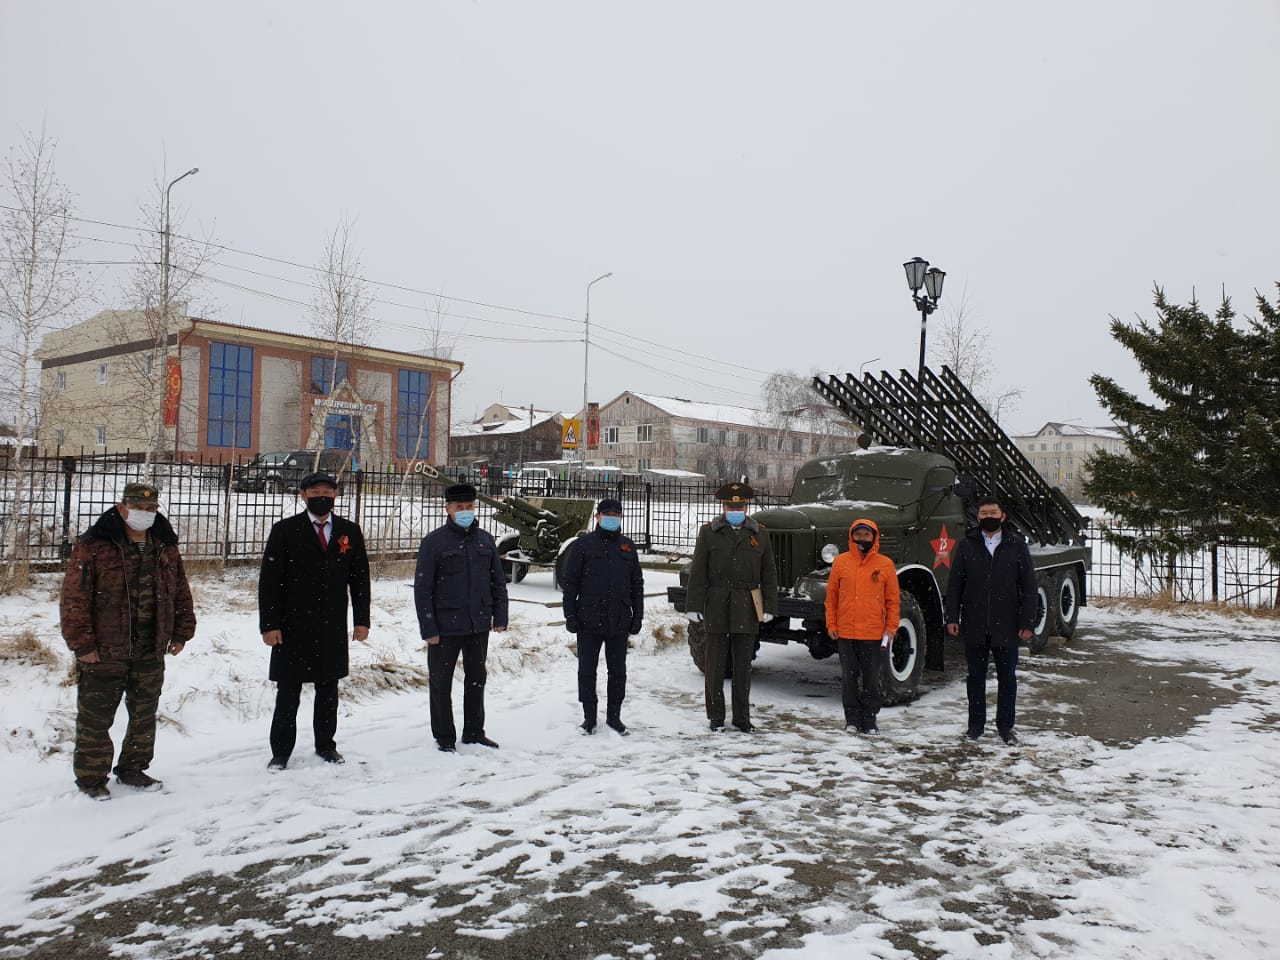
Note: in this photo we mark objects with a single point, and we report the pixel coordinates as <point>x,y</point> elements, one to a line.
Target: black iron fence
<point>50,500</point>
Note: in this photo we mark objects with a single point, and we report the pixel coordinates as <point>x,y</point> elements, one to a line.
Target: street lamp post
<point>920,274</point>
<point>163,336</point>
<point>586,355</point>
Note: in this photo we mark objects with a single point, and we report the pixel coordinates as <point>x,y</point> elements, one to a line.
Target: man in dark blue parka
<point>991,602</point>
<point>460,593</point>
<point>603,591</point>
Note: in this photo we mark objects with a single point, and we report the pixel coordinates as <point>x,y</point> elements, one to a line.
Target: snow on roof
<point>678,474</point>
<point>715,412</point>
<point>499,426</point>
<point>1074,430</point>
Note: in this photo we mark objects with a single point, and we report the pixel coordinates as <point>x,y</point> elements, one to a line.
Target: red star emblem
<point>942,549</point>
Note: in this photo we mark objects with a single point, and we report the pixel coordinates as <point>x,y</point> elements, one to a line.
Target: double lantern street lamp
<point>920,274</point>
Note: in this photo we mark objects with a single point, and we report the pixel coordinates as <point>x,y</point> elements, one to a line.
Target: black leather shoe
<point>587,726</point>
<point>482,741</point>
<point>446,747</point>
<point>973,733</point>
<point>330,756</point>
<point>870,729</point>
<point>278,763</point>
<point>617,726</point>
<point>745,727</point>
<point>1009,737</point>
<point>717,727</point>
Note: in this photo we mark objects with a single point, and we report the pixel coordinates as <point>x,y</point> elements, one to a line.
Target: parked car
<point>279,472</point>
<point>535,481</point>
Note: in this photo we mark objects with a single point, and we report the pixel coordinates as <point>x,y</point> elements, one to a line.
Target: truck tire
<point>1066,601</point>
<point>1044,622</point>
<point>903,663</point>
<point>698,649</point>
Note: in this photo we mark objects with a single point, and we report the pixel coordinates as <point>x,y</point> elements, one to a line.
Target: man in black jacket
<point>603,592</point>
<point>460,592</point>
<point>312,561</point>
<point>991,601</point>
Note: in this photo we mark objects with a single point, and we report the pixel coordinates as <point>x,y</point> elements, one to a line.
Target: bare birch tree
<point>160,303</point>
<point>40,290</point>
<point>342,311</point>
<point>964,346</point>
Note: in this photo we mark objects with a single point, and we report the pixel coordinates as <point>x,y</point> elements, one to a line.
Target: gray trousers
<point>743,646</point>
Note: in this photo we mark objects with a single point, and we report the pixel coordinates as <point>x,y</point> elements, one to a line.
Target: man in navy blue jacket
<point>460,593</point>
<point>991,602</point>
<point>603,604</point>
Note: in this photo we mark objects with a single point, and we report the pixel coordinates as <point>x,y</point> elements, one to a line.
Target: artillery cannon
<point>544,526</point>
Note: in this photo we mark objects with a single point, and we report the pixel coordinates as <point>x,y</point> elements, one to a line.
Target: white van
<point>534,480</point>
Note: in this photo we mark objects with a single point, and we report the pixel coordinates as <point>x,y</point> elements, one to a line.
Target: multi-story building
<point>506,437</point>
<point>641,432</point>
<point>233,391</point>
<point>1060,453</point>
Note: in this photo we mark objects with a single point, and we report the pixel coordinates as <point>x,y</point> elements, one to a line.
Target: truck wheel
<point>903,663</point>
<point>1066,601</point>
<point>1043,625</point>
<point>698,649</point>
<point>557,572</point>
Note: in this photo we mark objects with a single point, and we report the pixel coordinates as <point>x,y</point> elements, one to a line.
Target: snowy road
<point>1139,819</point>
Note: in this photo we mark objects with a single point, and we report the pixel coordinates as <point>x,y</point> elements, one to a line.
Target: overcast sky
<point>753,174</point>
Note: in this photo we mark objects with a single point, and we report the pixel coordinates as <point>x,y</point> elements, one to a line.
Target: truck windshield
<point>826,487</point>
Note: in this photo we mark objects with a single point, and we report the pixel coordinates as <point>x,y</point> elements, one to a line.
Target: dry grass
<point>383,676</point>
<point>27,647</point>
<point>668,635</point>
<point>1166,602</point>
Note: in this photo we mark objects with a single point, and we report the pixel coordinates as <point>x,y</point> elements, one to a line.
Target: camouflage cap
<point>140,493</point>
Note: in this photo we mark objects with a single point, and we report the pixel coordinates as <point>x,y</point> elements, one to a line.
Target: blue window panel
<point>322,374</point>
<point>413,397</point>
<point>230,396</point>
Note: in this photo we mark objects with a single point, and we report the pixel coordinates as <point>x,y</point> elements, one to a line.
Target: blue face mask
<point>735,517</point>
<point>612,524</point>
<point>464,518</point>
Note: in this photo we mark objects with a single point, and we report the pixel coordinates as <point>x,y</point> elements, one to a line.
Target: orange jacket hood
<point>875,544</point>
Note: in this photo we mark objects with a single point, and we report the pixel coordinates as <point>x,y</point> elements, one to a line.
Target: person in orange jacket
<point>862,617</point>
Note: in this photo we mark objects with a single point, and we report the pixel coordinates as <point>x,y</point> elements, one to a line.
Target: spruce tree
<point>1201,464</point>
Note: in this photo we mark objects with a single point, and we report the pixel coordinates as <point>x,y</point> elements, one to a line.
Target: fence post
<point>68,469</point>
<point>1213,569</point>
<point>359,478</point>
<point>226,513</point>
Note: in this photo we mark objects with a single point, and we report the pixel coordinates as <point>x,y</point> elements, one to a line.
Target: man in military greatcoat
<point>733,588</point>
<point>312,562</point>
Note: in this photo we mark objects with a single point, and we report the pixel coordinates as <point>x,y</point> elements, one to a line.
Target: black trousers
<point>324,718</point>
<point>978,654</point>
<point>615,659</point>
<point>860,659</point>
<point>442,658</point>
<point>718,646</point>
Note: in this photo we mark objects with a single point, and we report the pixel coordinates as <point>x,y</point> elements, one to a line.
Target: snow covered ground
<point>1140,818</point>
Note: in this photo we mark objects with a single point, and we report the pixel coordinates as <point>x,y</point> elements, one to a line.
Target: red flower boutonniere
<point>626,548</point>
<point>754,541</point>
<point>344,543</point>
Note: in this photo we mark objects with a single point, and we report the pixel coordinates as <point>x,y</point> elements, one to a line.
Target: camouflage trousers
<point>100,687</point>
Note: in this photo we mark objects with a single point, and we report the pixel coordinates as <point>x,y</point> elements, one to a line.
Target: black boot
<point>614,722</point>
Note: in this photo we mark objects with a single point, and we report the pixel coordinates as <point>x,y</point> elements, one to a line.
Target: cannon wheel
<point>513,569</point>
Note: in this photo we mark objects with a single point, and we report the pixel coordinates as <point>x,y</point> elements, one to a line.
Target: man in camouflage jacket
<point>125,604</point>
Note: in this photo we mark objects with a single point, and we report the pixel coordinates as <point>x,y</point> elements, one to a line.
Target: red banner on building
<point>593,426</point>
<point>172,391</point>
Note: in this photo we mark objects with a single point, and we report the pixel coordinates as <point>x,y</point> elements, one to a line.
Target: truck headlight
<point>829,553</point>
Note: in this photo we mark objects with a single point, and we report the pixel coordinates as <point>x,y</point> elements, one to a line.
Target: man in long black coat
<point>603,591</point>
<point>991,602</point>
<point>311,563</point>
<point>460,593</point>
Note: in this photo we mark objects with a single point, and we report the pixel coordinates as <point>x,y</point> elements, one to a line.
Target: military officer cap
<point>141,493</point>
<point>735,493</point>
<point>317,479</point>
<point>459,493</point>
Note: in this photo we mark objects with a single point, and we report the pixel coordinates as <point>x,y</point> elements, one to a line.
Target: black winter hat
<point>459,493</point>
<point>316,479</point>
<point>609,505</point>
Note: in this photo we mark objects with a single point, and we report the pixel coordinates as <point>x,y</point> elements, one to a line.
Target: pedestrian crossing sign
<point>571,432</point>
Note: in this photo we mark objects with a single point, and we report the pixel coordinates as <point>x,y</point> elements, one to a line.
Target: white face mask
<point>140,519</point>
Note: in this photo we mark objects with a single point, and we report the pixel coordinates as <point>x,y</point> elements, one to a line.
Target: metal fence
<point>61,496</point>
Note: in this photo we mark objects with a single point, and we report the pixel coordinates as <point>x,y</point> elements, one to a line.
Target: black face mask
<point>989,524</point>
<point>320,506</point>
<point>864,546</point>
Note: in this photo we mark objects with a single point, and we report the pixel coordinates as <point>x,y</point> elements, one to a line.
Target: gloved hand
<point>635,626</point>
<point>694,616</point>
<point>571,624</point>
<point>765,618</point>
<point>885,641</point>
